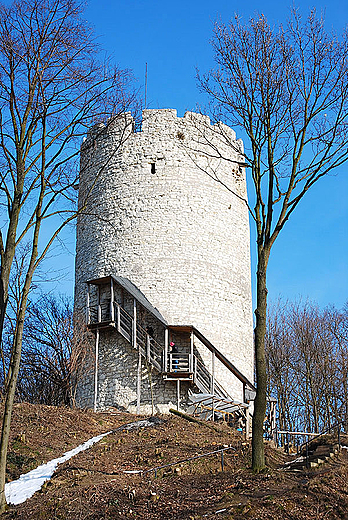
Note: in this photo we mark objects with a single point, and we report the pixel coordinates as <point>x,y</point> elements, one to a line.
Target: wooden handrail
<point>223,359</point>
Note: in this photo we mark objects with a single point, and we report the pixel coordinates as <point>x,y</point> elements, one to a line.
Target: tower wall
<point>156,216</point>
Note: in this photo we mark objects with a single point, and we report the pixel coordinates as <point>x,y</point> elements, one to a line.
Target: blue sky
<point>309,258</point>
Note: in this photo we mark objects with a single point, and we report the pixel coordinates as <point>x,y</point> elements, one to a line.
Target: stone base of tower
<point>144,365</point>
<point>117,382</point>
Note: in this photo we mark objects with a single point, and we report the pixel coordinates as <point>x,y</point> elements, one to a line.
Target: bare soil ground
<point>93,484</point>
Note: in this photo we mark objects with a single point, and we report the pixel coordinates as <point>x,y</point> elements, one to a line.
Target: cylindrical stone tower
<point>167,210</point>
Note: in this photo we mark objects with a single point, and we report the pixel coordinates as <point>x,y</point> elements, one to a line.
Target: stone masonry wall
<point>156,216</point>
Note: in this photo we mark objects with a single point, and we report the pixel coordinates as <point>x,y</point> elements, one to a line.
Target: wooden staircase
<point>322,448</point>
<point>176,367</point>
<point>317,456</point>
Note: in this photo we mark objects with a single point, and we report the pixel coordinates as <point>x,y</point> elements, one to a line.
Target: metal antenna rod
<point>145,83</point>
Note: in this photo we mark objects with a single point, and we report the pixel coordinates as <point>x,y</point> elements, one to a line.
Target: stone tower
<point>159,215</point>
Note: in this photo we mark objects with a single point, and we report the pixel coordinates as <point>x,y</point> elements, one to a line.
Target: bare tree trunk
<point>3,306</point>
<point>258,453</point>
<point>7,254</point>
<point>17,351</point>
<point>11,389</point>
<point>3,303</point>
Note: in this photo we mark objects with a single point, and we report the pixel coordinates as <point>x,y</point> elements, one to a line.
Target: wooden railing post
<point>166,345</point>
<point>247,424</point>
<point>99,306</point>
<point>96,370</point>
<point>112,300</point>
<point>148,347</point>
<point>272,413</point>
<point>212,372</point>
<point>139,382</point>
<point>191,353</point>
<point>88,310</point>
<point>134,334</point>
<point>134,323</point>
<point>118,318</point>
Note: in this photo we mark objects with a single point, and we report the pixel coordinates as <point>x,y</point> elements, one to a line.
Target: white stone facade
<point>156,216</point>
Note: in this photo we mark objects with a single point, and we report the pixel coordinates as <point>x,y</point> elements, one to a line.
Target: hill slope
<point>93,484</point>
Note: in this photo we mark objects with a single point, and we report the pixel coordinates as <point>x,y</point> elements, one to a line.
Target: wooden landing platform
<point>178,376</point>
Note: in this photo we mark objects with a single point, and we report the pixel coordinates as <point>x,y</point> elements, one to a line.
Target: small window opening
<point>153,168</point>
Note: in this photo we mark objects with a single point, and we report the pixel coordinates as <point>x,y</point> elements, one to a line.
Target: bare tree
<point>56,349</point>
<point>339,330</point>
<point>52,87</point>
<point>16,281</point>
<point>287,88</point>
<point>280,365</point>
<point>306,352</point>
<point>57,353</point>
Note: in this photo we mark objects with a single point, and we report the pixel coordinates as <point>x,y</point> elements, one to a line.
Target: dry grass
<point>93,485</point>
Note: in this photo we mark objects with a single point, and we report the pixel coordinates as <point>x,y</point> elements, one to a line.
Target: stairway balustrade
<point>179,365</point>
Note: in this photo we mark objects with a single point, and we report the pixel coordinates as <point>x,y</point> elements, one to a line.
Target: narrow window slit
<point>153,168</point>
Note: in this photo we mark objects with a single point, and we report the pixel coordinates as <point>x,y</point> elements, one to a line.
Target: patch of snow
<point>299,459</point>
<point>145,423</point>
<point>19,490</point>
